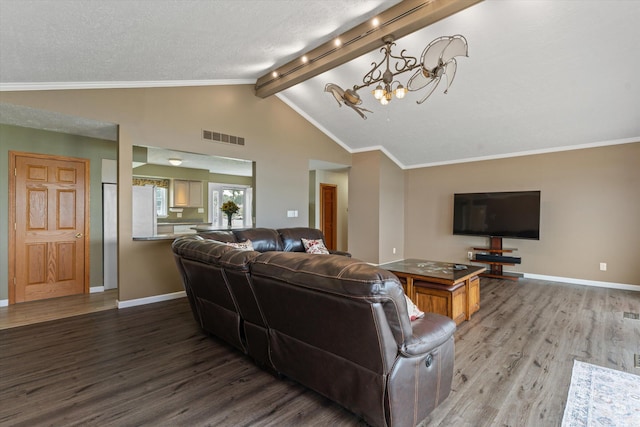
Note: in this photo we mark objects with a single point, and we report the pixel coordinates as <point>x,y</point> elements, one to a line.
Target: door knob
<point>78,235</point>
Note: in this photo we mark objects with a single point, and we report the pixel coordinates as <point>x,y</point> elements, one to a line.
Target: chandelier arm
<point>372,76</point>
<point>380,78</point>
<point>407,62</point>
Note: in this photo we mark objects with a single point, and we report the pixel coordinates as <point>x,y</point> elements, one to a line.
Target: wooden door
<point>49,251</point>
<point>329,214</point>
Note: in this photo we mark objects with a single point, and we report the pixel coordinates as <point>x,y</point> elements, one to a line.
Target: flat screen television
<point>511,214</point>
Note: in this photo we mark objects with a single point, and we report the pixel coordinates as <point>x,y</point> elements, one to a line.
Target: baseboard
<point>151,300</point>
<point>611,285</point>
<point>129,303</point>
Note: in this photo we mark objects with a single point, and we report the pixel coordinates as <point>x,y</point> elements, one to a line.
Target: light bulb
<point>384,101</point>
<point>378,93</point>
<point>175,162</point>
<point>400,92</point>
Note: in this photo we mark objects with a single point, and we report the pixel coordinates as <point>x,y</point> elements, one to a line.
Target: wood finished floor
<point>31,312</point>
<point>151,365</point>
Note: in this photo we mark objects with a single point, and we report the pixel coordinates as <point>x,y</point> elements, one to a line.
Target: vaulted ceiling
<point>541,76</point>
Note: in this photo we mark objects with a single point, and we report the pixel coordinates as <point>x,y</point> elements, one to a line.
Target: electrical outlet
<point>470,255</point>
<point>603,266</point>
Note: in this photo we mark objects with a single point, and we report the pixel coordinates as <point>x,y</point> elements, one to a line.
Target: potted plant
<point>229,208</point>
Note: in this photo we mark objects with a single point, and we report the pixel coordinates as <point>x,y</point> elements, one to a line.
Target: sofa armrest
<point>429,332</point>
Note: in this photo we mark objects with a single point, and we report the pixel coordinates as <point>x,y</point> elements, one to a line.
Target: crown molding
<point>632,140</point>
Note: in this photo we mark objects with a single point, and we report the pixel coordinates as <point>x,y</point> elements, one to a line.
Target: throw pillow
<point>245,246</point>
<point>413,310</point>
<point>314,246</point>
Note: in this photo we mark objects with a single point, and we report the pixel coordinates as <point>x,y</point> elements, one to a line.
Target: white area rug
<point>602,397</point>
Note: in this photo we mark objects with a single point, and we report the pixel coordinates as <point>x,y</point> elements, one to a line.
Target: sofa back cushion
<point>262,239</point>
<point>335,325</point>
<point>219,235</point>
<point>202,268</point>
<point>236,266</point>
<point>292,237</point>
<point>341,305</point>
<point>199,248</point>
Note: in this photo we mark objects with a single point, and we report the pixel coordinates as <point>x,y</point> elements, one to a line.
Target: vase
<point>229,220</point>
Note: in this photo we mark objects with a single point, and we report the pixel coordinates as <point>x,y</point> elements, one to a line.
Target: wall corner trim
<point>150,300</point>
<point>4,303</point>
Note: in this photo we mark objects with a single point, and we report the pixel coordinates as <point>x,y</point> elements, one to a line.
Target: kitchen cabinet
<point>187,194</point>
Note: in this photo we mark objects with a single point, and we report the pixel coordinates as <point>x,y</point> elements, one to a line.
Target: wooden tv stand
<point>495,267</point>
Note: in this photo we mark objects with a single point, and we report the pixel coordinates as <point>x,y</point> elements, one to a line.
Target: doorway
<point>49,241</point>
<point>241,195</point>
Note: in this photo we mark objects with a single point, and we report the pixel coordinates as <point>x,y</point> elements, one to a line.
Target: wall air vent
<point>222,137</point>
<point>629,315</point>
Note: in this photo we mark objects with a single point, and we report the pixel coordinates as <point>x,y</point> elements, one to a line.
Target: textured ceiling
<point>542,75</point>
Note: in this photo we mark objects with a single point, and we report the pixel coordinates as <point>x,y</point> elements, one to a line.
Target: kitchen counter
<point>205,228</point>
<point>167,236</point>
<point>165,222</point>
<point>173,236</point>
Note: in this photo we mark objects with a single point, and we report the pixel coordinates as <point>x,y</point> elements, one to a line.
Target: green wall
<point>14,138</point>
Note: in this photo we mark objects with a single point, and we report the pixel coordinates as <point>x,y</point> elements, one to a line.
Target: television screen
<point>512,214</point>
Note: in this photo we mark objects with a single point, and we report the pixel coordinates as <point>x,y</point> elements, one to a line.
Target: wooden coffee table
<point>440,287</point>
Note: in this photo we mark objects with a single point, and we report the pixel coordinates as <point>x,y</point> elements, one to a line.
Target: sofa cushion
<point>292,237</point>
<point>338,275</point>
<point>314,246</point>
<point>262,239</point>
<point>200,249</point>
<point>219,235</point>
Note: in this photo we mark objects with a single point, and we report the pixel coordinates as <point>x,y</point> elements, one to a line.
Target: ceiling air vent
<point>629,315</point>
<point>222,137</point>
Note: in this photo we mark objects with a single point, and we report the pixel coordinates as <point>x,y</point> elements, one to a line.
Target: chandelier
<point>437,61</point>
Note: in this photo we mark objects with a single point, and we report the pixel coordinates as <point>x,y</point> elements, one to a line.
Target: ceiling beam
<point>404,18</point>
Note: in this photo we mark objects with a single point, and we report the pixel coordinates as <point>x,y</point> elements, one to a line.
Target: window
<point>162,195</point>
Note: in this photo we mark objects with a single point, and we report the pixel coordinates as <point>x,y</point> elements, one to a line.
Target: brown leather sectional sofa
<point>335,324</point>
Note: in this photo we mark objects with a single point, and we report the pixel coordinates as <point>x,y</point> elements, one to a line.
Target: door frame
<point>12,215</point>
